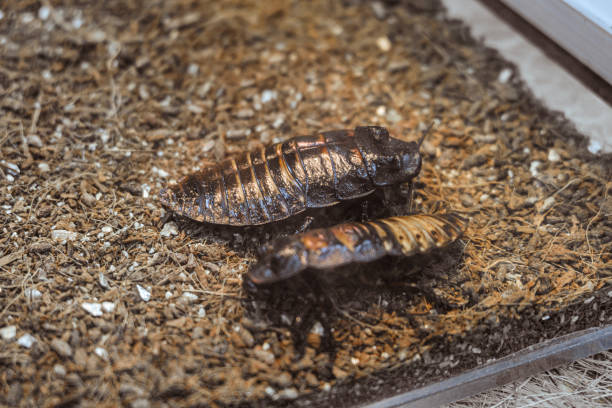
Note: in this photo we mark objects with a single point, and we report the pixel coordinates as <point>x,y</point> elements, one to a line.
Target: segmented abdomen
<point>365,242</point>
<point>273,183</point>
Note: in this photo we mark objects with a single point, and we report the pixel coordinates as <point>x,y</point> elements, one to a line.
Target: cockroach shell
<point>273,183</point>
<point>421,233</point>
<point>325,249</point>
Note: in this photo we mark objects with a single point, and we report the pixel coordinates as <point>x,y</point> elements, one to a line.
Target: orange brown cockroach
<point>276,182</point>
<point>327,248</point>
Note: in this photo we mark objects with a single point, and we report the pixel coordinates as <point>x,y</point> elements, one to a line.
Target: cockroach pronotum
<point>275,182</point>
<point>327,248</point>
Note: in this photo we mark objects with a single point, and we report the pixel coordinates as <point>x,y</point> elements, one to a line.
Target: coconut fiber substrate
<point>107,298</point>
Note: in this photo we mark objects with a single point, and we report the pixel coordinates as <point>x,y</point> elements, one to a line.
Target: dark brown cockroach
<point>275,182</point>
<point>327,248</point>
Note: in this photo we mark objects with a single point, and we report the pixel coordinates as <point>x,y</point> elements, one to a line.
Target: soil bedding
<point>106,298</point>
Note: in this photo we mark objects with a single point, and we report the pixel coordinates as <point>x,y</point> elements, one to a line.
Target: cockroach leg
<point>410,197</point>
<point>305,225</point>
<point>364,210</point>
<point>325,304</point>
<point>438,206</point>
<point>393,201</point>
<point>388,195</point>
<point>169,215</point>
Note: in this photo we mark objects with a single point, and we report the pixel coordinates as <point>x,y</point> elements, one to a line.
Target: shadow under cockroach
<point>362,292</point>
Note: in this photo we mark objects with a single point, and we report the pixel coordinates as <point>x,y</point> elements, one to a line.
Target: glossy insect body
<point>342,244</point>
<point>284,179</point>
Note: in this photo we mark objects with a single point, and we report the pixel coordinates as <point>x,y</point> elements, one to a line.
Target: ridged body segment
<point>364,242</point>
<point>275,182</point>
<point>346,243</point>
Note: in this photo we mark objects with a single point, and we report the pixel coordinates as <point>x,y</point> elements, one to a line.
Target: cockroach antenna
<point>425,133</point>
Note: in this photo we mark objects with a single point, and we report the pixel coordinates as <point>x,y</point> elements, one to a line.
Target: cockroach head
<point>407,159</point>
<point>405,162</point>
<point>281,260</point>
<point>388,160</point>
